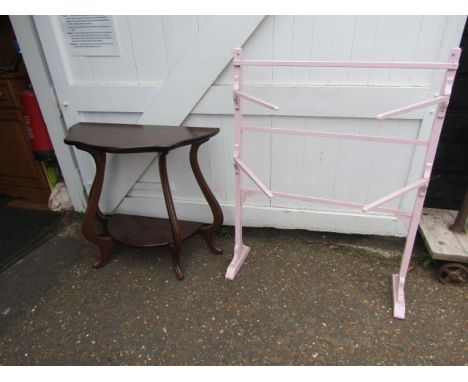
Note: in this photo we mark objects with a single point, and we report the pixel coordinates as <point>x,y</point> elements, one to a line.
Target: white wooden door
<point>175,70</point>
<point>166,64</point>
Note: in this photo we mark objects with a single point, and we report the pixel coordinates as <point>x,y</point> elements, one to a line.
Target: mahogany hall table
<point>98,139</point>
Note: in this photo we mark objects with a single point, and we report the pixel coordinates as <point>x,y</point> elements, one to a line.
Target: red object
<point>40,140</point>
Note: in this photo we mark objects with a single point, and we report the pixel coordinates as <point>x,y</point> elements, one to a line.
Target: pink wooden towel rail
<point>410,218</point>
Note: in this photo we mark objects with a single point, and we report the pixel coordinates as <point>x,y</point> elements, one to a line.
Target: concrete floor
<point>301,298</point>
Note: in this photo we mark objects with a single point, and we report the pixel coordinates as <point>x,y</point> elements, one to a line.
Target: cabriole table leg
<point>175,247</point>
<point>207,232</point>
<point>92,213</point>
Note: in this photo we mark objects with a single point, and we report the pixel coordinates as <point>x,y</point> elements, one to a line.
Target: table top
<point>120,138</point>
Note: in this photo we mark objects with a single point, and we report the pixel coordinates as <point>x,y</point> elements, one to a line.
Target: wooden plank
<point>290,172</point>
<point>119,99</point>
<point>383,48</point>
<point>315,101</point>
<point>294,100</point>
<point>148,46</point>
<point>198,68</point>
<point>430,35</point>
<point>405,46</point>
<point>202,19</point>
<point>282,47</point>
<point>442,243</point>
<point>179,33</point>
<point>341,48</point>
<point>124,70</point>
<point>301,46</point>
<point>362,48</point>
<point>212,159</point>
<point>389,169</point>
<point>105,117</point>
<point>256,154</point>
<point>266,216</point>
<point>343,173</point>
<point>452,35</point>
<point>255,46</point>
<point>403,159</point>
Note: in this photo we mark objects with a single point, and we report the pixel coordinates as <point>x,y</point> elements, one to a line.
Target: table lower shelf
<point>142,231</point>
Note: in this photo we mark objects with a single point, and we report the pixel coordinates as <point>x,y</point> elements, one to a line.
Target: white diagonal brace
<point>207,56</point>
<point>195,72</point>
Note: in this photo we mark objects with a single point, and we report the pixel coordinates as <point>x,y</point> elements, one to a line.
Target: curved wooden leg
<point>207,232</point>
<point>88,227</point>
<point>175,247</point>
<point>174,250</point>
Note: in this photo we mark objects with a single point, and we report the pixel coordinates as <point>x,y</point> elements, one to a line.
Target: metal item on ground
<point>445,244</point>
<point>459,225</point>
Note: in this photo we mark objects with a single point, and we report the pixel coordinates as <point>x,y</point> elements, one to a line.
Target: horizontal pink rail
<point>254,178</point>
<point>414,106</point>
<point>334,202</point>
<point>256,100</point>
<point>350,64</point>
<point>395,194</point>
<point>326,134</point>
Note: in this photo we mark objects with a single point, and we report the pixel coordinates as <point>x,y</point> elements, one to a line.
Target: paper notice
<point>90,35</point>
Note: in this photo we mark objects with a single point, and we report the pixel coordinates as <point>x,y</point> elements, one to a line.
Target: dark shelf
<point>141,231</point>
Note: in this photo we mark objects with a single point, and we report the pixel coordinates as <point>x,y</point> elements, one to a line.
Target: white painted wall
<point>175,69</point>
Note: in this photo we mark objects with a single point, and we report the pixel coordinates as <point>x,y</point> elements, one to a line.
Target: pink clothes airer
<point>410,218</point>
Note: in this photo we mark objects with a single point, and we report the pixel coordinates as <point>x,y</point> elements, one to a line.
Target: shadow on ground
<point>301,298</point>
